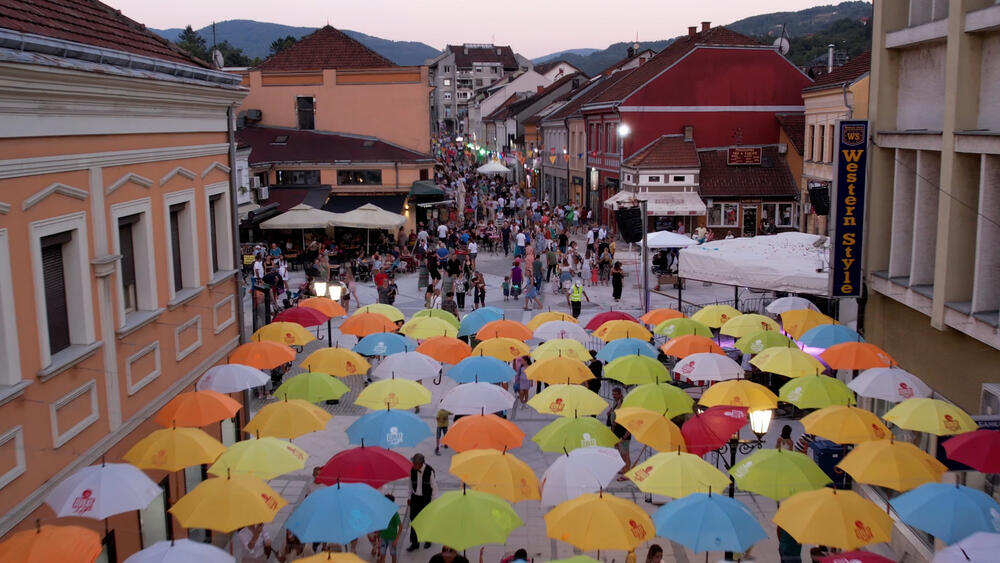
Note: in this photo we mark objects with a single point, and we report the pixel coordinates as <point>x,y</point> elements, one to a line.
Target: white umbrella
<point>493,167</point>
<point>408,365</point>
<point>100,491</point>
<point>180,551</point>
<point>583,470</point>
<point>667,239</point>
<point>706,366</point>
<point>560,329</point>
<point>231,378</point>
<point>369,216</point>
<point>889,384</point>
<point>980,547</point>
<point>790,303</point>
<point>477,398</point>
<point>301,216</point>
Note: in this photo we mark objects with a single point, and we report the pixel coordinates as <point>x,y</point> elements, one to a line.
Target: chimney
<point>689,133</point>
<point>829,57</point>
<point>705,26</point>
<point>498,50</point>
<point>692,30</point>
<point>466,49</point>
<point>630,52</point>
<point>539,89</point>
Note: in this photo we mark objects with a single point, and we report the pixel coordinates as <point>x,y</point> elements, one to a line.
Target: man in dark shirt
<point>597,368</point>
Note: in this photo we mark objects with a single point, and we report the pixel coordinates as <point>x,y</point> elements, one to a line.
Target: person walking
<point>479,297</point>
<point>789,550</point>
<point>617,275</point>
<point>574,297</point>
<point>624,437</point>
<point>784,441</point>
<point>422,487</point>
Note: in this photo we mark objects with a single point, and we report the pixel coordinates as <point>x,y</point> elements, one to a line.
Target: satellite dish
<point>217,58</point>
<point>782,44</point>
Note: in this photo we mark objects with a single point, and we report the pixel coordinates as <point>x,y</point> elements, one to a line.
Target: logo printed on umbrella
<point>950,423</point>
<point>742,469</point>
<point>757,346</point>
<point>904,390</point>
<point>557,406</point>
<point>877,431</point>
<point>159,458</point>
<point>795,394</point>
<point>642,474</point>
<point>299,454</point>
<point>380,349</point>
<point>688,368</point>
<point>586,440</point>
<point>638,531</point>
<point>270,501</point>
<point>391,400</point>
<point>289,338</point>
<point>669,330</point>
<point>765,325</point>
<point>84,503</point>
<point>638,423</point>
<point>863,532</point>
<point>512,350</point>
<point>525,489</point>
<point>394,437</point>
<point>349,367</point>
<point>735,414</point>
<point>736,401</point>
<point>723,317</point>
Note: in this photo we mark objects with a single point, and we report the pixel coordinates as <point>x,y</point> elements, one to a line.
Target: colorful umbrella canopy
<point>948,512</point>
<point>797,321</point>
<point>657,316</point>
<point>387,311</point>
<point>841,519</point>
<point>481,369</point>
<point>331,557</point>
<point>659,397</point>
<point>567,434</point>
<point>707,522</point>
<point>598,521</point>
<point>289,334</point>
<point>789,362</point>
<point>613,330</point>
<point>626,347</point>
<point>226,504</point>
<point>576,559</point>
<point>583,470</point>
<point>681,326</point>
<point>547,317</point>
<point>462,519</point>
<point>437,314</point>
<point>606,316</point>
<point>856,557</point>
<point>372,465</point>
<point>559,370</point>
<point>677,474</point>
<point>739,393</point>
<point>101,491</point>
<point>561,347</point>
<point>856,355</point>
<point>708,430</point>
<point>363,324</point>
<point>560,329</point>
<point>759,341</point>
<point>312,387</point>
<point>748,324</point>
<point>503,328</point>
<point>636,370</point>
<point>477,398</point>
<point>568,400</point>
<point>339,362</point>
<point>265,458</point>
<point>173,449</point>
<point>407,365</point>
<point>305,316</point>
<point>289,418</point>
<point>778,474</point>
<point>179,551</point>
<point>825,336</point>
<point>445,349</point>
<point>980,547</point>
<point>845,425</point>
<point>384,344</point>
<point>706,366</point>
<point>324,305</point>
<point>422,328</point>
<point>790,303</point>
<point>979,450</point>
<point>341,513</point>
<point>889,384</point>
<point>231,378</point>
<point>47,543</point>
<point>498,473</point>
<point>503,349</point>
<point>262,355</point>
<point>684,346</point>
<point>480,431</point>
<point>900,466</point>
<point>651,428</point>
<point>816,392</point>
<point>933,416</point>
<point>388,429</point>
<point>476,319</point>
<point>393,394</point>
<point>197,408</point>
<point>715,316</point>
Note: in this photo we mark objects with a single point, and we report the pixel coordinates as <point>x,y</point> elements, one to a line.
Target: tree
<point>282,43</point>
<point>190,41</point>
<point>232,56</point>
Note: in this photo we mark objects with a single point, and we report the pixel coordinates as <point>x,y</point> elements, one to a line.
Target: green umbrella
<point>567,434</point>
<point>778,474</point>
<point>576,559</point>
<point>757,343</point>
<point>672,328</point>
<point>437,314</point>
<point>313,387</point>
<point>816,392</point>
<point>466,518</point>
<point>659,397</point>
<point>636,370</point>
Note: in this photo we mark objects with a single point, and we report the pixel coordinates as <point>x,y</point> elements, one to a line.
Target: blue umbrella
<point>484,369</point>
<point>389,429</point>
<point>384,344</point>
<point>948,512</point>
<point>707,522</point>
<point>341,513</point>
<point>625,347</point>
<point>475,320</point>
<point>824,336</point>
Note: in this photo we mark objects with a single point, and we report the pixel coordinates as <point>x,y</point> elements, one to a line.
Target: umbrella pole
<point>329,334</point>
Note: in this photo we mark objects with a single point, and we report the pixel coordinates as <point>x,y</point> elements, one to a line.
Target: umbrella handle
<point>437,380</point>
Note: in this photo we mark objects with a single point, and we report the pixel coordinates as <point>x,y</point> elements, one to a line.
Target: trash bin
<point>827,455</point>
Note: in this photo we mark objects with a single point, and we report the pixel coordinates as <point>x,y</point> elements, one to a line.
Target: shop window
<point>779,214</point>
<point>297,177</point>
<point>724,215</point>
<point>305,107</point>
<point>359,177</point>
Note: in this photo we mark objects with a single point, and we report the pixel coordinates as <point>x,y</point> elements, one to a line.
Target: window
<point>220,227</point>
<point>446,82</point>
<point>609,135</point>
<point>424,174</point>
<point>447,96</point>
<point>447,68</point>
<point>10,363</point>
<point>137,269</point>
<point>126,248</point>
<point>53,273</point>
<point>479,69</point>
<point>820,149</point>
<point>653,179</point>
<point>779,214</point>
<point>592,139</point>
<point>479,82</point>
<point>193,476</point>
<point>829,144</point>
<point>177,250</point>
<point>496,70</point>
<point>297,177</point>
<point>154,521</point>
<point>305,106</point>
<point>723,215</point>
<point>679,178</point>
<point>183,252</point>
<point>811,142</point>
<point>359,177</point>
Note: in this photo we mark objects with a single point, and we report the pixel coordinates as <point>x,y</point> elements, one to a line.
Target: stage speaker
<point>630,223</point>
<point>819,197</point>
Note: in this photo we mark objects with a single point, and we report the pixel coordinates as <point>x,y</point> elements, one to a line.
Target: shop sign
<point>849,208</point>
<point>739,156</point>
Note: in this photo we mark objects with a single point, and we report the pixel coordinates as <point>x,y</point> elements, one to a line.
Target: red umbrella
<point>979,450</point>
<point>304,316</point>
<point>606,316</point>
<point>371,465</point>
<point>855,557</point>
<point>709,430</point>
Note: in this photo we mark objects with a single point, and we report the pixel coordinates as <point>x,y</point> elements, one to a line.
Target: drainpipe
<point>234,218</point>
<point>850,108</point>
<point>829,58</point>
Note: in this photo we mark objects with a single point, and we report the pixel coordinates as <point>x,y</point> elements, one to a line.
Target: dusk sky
<point>533,28</point>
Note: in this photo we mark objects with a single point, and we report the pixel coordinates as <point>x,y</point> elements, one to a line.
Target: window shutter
<point>213,204</point>
<point>175,244</point>
<point>57,313</point>
<point>127,249</point>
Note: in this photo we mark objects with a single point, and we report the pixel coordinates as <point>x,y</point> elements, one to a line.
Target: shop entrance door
<point>749,220</point>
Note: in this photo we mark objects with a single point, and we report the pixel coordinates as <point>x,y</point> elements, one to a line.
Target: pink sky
<point>532,27</point>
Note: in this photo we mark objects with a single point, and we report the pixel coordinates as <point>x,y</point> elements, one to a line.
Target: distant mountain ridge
<point>561,54</point>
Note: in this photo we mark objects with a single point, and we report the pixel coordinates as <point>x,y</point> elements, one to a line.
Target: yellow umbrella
<point>677,474</point>
<point>933,416</point>
<point>598,521</point>
<point>568,400</point>
<point>798,321</point>
<point>651,428</point>
<point>339,362</point>
<point>503,349</point>
<point>392,313</point>
<point>173,449</point>
<point>498,473</point>
<point>561,347</point>
<point>739,393</point>
<point>228,503</point>
<point>446,316</point>
<point>290,418</point>
<point>841,519</point>
<point>289,334</point>
<point>542,318</point>
<point>900,466</point>
<point>789,362</point>
<point>614,330</point>
<point>845,425</point>
<point>265,458</point>
<point>331,557</point>
<point>393,394</point>
<point>715,316</point>
<point>747,324</point>
<point>559,370</point>
<point>422,328</point>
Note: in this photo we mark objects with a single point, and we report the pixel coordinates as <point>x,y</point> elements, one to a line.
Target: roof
<point>542,68</point>
<point>326,48</point>
<point>501,112</point>
<point>772,178</point>
<point>467,55</point>
<point>610,68</point>
<point>319,146</point>
<point>669,151</point>
<point>794,125</point>
<point>91,23</point>
<point>847,73</point>
<point>587,94</point>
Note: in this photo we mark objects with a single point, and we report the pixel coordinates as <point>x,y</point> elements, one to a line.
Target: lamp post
<point>760,421</point>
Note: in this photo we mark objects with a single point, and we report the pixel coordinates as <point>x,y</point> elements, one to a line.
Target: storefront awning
<point>659,203</point>
<point>244,210</point>
<point>425,188</point>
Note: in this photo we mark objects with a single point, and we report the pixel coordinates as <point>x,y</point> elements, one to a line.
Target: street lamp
<point>624,130</point>
<point>760,421</point>
<point>319,288</point>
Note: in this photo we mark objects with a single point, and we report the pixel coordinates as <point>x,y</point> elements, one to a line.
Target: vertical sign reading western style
<point>849,208</point>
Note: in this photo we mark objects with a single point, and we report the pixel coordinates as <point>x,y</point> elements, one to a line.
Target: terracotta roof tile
<point>591,91</point>
<point>771,179</point>
<point>466,57</point>
<point>847,73</point>
<point>794,125</point>
<point>542,68</point>
<point>669,151</point>
<point>91,23</point>
<point>320,147</point>
<point>326,48</point>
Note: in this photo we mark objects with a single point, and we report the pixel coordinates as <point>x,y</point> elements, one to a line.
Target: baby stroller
<point>362,271</point>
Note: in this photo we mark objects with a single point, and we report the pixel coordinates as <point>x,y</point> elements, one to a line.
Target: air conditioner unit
<point>782,148</point>
<point>262,193</point>
<point>254,182</point>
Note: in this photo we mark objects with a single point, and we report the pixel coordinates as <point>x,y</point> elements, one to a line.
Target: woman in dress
<point>617,275</point>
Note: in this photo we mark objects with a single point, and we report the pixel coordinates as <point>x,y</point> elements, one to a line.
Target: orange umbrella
<point>657,316</point>
<point>197,408</point>
<point>262,355</point>
<point>797,321</point>
<point>324,305</point>
<point>52,543</point>
<point>684,346</point>
<point>856,355</point>
<point>483,431</point>
<point>363,324</point>
<point>445,349</point>
<point>504,329</point>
